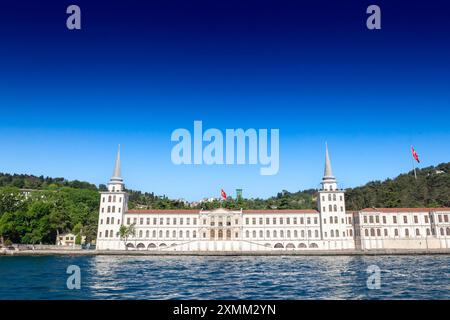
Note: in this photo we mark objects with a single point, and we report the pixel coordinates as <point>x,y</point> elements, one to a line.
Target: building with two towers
<point>330,227</point>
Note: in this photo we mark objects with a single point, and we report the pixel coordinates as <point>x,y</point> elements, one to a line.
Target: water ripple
<point>240,277</point>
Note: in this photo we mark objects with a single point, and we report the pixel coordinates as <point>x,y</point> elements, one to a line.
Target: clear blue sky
<point>135,72</point>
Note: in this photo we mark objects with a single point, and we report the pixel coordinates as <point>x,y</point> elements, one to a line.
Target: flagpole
<point>414,165</point>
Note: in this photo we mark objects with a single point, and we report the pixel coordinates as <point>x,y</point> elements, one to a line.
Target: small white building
<point>67,239</point>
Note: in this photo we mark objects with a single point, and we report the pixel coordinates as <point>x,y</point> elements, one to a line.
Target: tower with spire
<point>335,222</point>
<point>113,205</point>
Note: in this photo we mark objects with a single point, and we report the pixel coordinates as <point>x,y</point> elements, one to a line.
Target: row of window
<point>334,197</point>
<point>111,209</point>
<point>111,198</point>
<point>377,232</point>
<point>168,221</point>
<point>426,219</point>
<point>154,234</point>
<point>280,233</point>
<point>282,220</point>
<point>110,220</point>
<point>332,208</point>
<point>335,220</point>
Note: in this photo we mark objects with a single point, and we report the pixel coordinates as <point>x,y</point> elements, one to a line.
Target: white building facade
<point>330,227</point>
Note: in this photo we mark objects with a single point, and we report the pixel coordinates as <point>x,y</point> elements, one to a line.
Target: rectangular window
<point>181,221</point>
<point>247,221</point>
<point>446,218</point>
<point>302,221</point>
<point>394,219</point>
<point>315,220</point>
<point>416,219</point>
<point>370,219</point>
<point>154,221</point>
<point>161,221</point>
<point>254,221</point>
<point>267,221</point>
<point>195,221</point>
<point>377,219</point>
<point>384,219</point>
<point>128,221</point>
<point>405,219</point>
<point>174,221</point>
<point>440,218</point>
<point>167,221</point>
<point>274,221</point>
<point>261,221</point>
<point>295,220</point>
<point>188,221</point>
<point>288,221</point>
<point>365,219</point>
<point>426,219</point>
<point>308,220</point>
<point>134,220</point>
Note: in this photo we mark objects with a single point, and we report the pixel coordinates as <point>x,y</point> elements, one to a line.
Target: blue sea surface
<point>225,277</point>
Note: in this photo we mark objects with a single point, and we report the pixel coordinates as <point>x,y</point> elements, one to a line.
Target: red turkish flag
<point>414,154</point>
<point>223,194</point>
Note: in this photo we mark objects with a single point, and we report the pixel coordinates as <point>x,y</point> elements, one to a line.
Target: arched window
<point>316,233</point>
<point>366,232</point>
<point>167,234</point>
<point>335,219</point>
<point>428,232</point>
<point>309,233</point>
<point>330,207</point>
<point>331,219</point>
<point>111,234</point>
<point>447,231</point>
<point>334,197</point>
<point>278,246</point>
<point>329,197</point>
<point>295,234</point>
<point>281,233</point>
<point>332,233</point>
<point>114,198</point>
<point>109,209</point>
<point>229,234</point>
<point>396,232</point>
<point>335,208</point>
<point>174,234</point>
<point>160,233</point>
<point>106,234</point>
<point>372,232</point>
<point>109,198</point>
<point>274,233</point>
<point>261,234</point>
<point>140,233</point>
<point>187,234</point>
<point>406,232</point>
<point>378,232</point>
<point>268,234</point>
<point>113,209</point>
<point>247,234</point>
<point>254,233</point>
<point>288,233</point>
<point>147,233</point>
<point>194,234</point>
<point>337,233</point>
<point>303,234</point>
<point>442,231</point>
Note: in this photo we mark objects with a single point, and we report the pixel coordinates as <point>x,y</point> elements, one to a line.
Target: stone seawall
<point>224,253</point>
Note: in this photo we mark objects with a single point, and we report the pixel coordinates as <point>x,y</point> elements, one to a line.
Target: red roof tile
<point>394,210</point>
<point>196,211</point>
